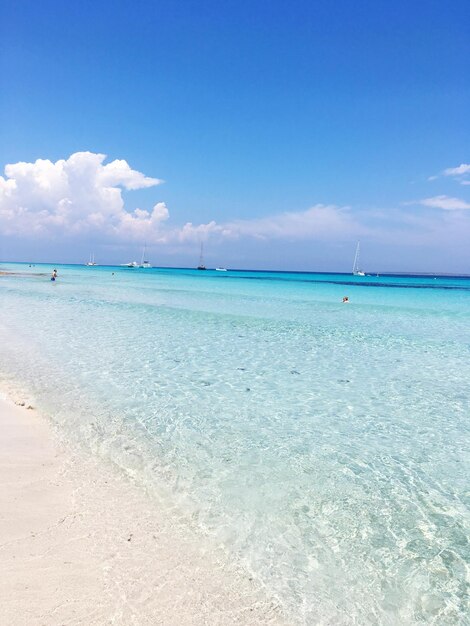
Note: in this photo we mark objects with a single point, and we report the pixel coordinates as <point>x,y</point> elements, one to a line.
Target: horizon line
<point>372,273</point>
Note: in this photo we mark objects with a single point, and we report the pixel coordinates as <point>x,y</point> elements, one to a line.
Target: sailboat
<point>356,268</point>
<point>201,265</point>
<point>143,263</point>
<point>91,262</point>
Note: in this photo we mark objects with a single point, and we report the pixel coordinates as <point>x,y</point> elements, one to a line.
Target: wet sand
<point>81,544</point>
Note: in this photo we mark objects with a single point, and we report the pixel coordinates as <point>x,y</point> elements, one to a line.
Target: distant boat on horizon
<point>220,269</point>
<point>201,265</point>
<point>131,265</point>
<point>143,263</point>
<point>91,262</point>
<point>356,267</point>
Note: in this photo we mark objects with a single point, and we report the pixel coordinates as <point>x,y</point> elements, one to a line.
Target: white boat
<point>91,262</point>
<point>130,265</point>
<point>220,269</point>
<point>143,263</point>
<point>201,265</point>
<point>356,267</point>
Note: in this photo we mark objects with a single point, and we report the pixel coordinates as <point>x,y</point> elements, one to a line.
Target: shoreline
<point>80,543</point>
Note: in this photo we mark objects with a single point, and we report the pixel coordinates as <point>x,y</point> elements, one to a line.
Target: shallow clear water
<point>326,445</point>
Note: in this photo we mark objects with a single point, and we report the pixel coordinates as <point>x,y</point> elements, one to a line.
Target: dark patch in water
<point>353,283</point>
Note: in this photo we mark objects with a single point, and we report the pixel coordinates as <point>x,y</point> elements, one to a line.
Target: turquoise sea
<point>326,445</point>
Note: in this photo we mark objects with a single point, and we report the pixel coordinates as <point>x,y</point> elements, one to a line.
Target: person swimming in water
<point>346,300</point>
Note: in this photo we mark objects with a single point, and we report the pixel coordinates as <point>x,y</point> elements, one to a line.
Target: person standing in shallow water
<point>54,274</point>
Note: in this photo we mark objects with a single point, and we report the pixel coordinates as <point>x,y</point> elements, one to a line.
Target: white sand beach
<point>81,544</point>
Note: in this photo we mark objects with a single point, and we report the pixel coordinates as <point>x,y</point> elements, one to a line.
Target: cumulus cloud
<point>445,202</point>
<point>74,196</point>
<point>82,195</point>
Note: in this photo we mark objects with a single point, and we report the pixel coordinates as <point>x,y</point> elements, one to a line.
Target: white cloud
<point>82,197</point>
<point>463,168</point>
<point>444,202</point>
<point>191,232</point>
<point>318,222</point>
<point>459,173</point>
<point>118,172</point>
<point>78,195</point>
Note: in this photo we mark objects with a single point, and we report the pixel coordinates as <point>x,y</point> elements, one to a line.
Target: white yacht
<point>144,264</point>
<point>356,267</point>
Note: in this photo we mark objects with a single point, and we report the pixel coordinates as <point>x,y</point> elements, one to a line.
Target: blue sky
<point>284,132</point>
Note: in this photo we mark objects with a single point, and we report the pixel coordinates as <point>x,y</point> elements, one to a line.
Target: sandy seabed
<point>82,544</point>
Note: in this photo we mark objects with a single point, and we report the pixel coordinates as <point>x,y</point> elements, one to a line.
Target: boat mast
<point>201,256</point>
<point>356,259</point>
